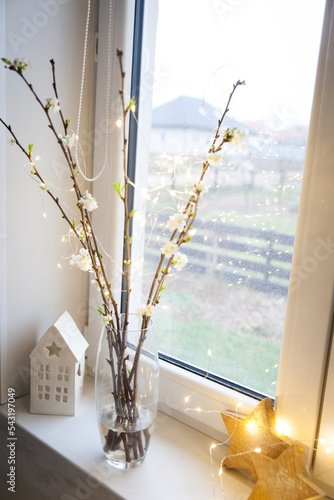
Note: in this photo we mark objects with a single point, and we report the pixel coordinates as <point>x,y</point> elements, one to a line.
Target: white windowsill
<point>61,458</point>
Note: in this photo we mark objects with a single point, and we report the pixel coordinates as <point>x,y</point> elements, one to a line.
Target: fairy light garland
<point>107,111</point>
<point>253,428</point>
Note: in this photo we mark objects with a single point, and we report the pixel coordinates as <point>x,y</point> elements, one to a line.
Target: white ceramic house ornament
<point>57,367</point>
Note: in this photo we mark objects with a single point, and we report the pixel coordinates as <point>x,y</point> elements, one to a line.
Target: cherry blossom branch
<point>93,249</point>
<point>38,175</point>
<point>190,210</point>
<point>54,85</point>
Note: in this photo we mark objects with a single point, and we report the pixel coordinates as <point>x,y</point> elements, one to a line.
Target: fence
<point>252,257</point>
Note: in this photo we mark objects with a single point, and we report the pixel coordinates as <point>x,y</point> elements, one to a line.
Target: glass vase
<point>126,389</point>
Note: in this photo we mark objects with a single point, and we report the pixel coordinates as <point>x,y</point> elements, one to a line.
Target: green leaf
<point>30,146</point>
<point>130,240</point>
<point>117,186</point>
<point>100,310</point>
<point>131,104</point>
<point>74,223</point>
<point>131,213</point>
<point>3,59</point>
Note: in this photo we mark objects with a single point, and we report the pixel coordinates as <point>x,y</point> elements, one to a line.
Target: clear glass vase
<point>126,389</point>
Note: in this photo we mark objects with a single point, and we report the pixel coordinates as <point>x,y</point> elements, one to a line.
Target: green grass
<point>249,359</point>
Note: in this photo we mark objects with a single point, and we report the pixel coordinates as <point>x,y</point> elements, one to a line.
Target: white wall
<point>34,292</point>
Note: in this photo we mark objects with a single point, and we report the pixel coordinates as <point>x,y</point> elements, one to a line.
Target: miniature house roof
<point>68,330</point>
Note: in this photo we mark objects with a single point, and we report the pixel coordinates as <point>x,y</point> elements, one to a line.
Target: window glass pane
<point>224,312</point>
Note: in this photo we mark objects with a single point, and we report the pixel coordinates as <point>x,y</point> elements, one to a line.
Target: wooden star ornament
<point>258,431</point>
<point>282,478</point>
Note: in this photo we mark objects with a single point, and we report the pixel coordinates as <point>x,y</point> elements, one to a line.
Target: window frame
<point>295,375</point>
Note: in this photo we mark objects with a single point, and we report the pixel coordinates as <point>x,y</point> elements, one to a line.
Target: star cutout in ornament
<point>258,431</point>
<point>282,478</point>
<point>53,350</point>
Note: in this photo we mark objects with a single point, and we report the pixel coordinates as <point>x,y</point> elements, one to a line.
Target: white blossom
<point>52,102</point>
<point>22,64</point>
<point>176,221</point>
<point>201,187</point>
<point>215,159</point>
<point>88,202</point>
<point>82,260</point>
<point>145,310</point>
<point>180,260</point>
<point>97,284</point>
<point>106,319</point>
<point>68,140</point>
<point>81,232</point>
<point>169,249</point>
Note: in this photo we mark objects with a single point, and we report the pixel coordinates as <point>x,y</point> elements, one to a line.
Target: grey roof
<point>190,113</point>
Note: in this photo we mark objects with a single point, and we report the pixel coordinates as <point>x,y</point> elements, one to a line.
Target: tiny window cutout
<point>59,376</point>
<point>47,368</point>
<point>65,399</point>
<point>67,370</point>
<point>46,396</point>
<point>79,370</point>
<point>58,389</point>
<point>66,378</point>
<point>39,388</point>
<point>47,388</point>
<point>65,390</point>
<point>40,376</point>
<point>40,367</point>
<point>40,395</point>
<point>47,376</point>
<point>60,368</point>
<point>57,397</point>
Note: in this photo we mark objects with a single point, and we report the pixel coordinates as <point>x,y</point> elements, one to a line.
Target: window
<point>43,371</point>
<point>225,313</point>
<point>63,373</point>
<point>43,392</point>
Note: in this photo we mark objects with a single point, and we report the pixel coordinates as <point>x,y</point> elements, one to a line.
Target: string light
<point>283,427</point>
<point>107,98</point>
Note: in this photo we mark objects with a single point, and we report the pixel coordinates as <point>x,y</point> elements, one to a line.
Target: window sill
<point>61,458</point>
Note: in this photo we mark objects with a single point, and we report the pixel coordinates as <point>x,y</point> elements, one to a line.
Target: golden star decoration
<point>258,431</point>
<point>282,478</point>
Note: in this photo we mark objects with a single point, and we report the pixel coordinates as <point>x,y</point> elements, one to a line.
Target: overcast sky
<point>203,46</point>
